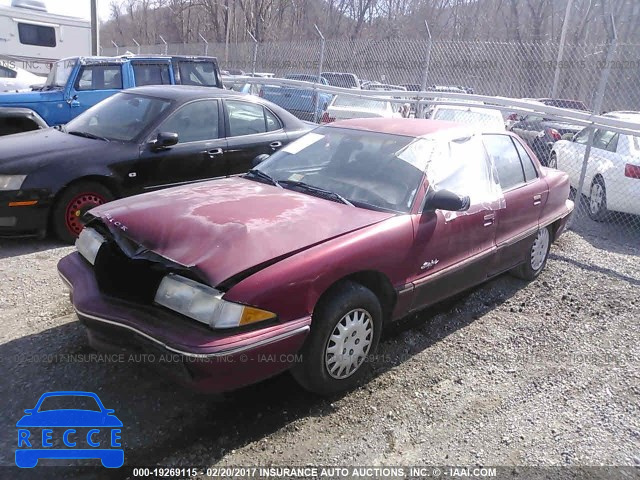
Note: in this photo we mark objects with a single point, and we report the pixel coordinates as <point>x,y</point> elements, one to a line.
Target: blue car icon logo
<point>52,430</point>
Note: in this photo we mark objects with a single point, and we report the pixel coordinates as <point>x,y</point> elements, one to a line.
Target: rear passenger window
<point>151,74</point>
<point>529,170</point>
<point>506,160</point>
<point>249,118</point>
<point>99,77</point>
<point>273,122</point>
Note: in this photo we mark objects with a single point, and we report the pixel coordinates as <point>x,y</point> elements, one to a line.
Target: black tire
<point>553,160</point>
<point>530,269</point>
<point>81,196</point>
<point>597,207</point>
<point>313,372</point>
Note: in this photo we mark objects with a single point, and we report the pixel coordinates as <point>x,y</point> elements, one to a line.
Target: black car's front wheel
<point>74,201</point>
<point>345,333</point>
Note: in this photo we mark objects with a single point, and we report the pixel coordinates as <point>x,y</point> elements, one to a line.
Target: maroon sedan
<point>300,263</point>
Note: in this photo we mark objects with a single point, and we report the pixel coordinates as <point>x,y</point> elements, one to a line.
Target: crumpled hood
<point>224,227</point>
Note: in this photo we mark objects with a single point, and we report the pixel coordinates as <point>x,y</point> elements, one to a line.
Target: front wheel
<point>345,333</point>
<point>537,257</point>
<point>71,206</point>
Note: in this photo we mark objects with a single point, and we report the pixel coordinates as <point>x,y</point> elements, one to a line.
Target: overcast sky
<point>74,8</point>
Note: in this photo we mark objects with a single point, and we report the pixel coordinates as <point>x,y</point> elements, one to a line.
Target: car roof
<point>410,127</point>
<point>624,115</point>
<point>185,92</point>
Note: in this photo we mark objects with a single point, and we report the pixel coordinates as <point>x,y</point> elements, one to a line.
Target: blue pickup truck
<point>77,84</point>
<point>304,103</point>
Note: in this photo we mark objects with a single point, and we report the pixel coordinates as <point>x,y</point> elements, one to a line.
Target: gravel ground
<point>511,373</point>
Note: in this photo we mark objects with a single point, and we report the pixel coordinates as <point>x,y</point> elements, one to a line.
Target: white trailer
<point>32,38</point>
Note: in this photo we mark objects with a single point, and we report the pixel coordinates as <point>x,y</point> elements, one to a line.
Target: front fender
<point>291,288</point>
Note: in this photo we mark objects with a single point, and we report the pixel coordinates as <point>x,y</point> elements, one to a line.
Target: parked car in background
<point>345,106</point>
<point>485,119</point>
<point>135,141</point>
<point>612,180</point>
<point>541,133</point>
<point>411,87</point>
<point>76,84</point>
<point>564,103</point>
<point>250,88</point>
<point>14,79</point>
<point>16,120</point>
<point>317,250</point>
<point>385,87</point>
<point>343,80</point>
<point>305,103</point>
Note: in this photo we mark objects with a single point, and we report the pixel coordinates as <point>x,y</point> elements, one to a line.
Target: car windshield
<point>470,117</point>
<point>302,77</point>
<point>341,80</point>
<point>370,170</point>
<point>121,117</point>
<point>69,402</point>
<point>59,73</point>
<point>198,73</point>
<point>356,102</point>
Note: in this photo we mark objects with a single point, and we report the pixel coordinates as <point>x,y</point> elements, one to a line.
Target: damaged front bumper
<point>193,354</point>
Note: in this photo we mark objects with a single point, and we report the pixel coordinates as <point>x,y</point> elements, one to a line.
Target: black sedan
<point>136,141</point>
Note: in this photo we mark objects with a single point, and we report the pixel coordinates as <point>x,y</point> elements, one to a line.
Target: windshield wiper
<point>87,135</point>
<point>263,176</point>
<point>317,190</point>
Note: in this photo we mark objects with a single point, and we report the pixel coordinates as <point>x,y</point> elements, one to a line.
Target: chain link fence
<point>603,165</point>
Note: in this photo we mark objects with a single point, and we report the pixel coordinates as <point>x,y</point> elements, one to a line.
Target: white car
<point>612,181</point>
<point>13,78</point>
<point>345,106</point>
<point>484,119</point>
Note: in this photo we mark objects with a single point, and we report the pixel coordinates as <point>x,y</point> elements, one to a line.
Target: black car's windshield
<point>369,169</point>
<point>59,74</point>
<point>121,117</point>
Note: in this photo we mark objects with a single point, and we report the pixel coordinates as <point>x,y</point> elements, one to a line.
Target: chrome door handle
<point>215,152</point>
<point>537,199</point>
<point>275,144</point>
<point>488,219</point>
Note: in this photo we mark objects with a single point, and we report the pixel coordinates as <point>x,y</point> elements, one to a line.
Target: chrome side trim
<point>455,267</point>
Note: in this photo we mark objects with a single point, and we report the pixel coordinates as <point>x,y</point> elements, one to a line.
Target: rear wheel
<point>598,200</point>
<point>537,258</point>
<point>345,332</point>
<point>72,204</point>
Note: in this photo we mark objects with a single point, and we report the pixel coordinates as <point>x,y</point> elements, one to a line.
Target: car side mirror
<point>568,136</point>
<point>259,159</point>
<point>446,200</point>
<point>164,140</point>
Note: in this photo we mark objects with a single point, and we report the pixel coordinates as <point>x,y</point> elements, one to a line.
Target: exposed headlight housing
<point>88,244</point>
<point>11,182</point>
<point>205,304</point>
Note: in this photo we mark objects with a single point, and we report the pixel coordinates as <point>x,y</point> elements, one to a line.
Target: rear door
<point>525,194</point>
<point>199,154</point>
<point>252,129</point>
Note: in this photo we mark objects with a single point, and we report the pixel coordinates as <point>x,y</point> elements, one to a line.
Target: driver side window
<point>194,122</point>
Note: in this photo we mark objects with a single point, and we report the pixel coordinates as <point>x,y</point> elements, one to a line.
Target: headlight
<point>205,304</point>
<point>88,244</point>
<point>11,182</point>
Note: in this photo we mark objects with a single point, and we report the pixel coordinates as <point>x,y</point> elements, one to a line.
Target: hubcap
<point>553,162</point>
<point>76,208</point>
<point>349,344</point>
<point>597,197</point>
<point>539,249</point>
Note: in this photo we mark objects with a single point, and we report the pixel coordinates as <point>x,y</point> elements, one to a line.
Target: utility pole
<point>95,28</point>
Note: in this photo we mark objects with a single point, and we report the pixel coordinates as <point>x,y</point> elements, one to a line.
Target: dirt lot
<point>545,373</point>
